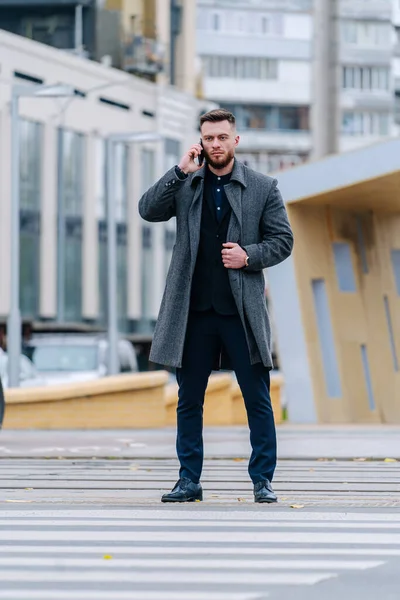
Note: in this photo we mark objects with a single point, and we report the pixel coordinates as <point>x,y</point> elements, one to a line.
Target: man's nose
<point>216,143</point>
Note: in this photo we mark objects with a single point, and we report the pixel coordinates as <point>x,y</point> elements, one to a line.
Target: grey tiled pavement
<point>81,518</point>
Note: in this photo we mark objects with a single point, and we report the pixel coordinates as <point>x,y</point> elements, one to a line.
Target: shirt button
<point>218,190</point>
<point>219,178</point>
<point>218,237</point>
<point>218,208</point>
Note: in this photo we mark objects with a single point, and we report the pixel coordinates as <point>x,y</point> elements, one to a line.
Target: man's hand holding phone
<point>187,163</point>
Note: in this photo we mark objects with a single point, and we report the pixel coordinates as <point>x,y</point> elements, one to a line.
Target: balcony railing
<point>143,55</point>
<point>362,9</point>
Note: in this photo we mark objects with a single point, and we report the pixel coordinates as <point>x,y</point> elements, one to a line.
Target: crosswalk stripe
<point>174,524</point>
<point>185,563</point>
<point>240,551</point>
<point>202,536</point>
<point>213,515</point>
<point>57,594</point>
<point>179,577</point>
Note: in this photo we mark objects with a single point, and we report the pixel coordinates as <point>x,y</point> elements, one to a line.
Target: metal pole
<point>14,324</point>
<point>78,29</point>
<point>61,229</point>
<point>111,263</point>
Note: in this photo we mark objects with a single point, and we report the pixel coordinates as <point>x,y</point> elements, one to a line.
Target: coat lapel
<point>194,220</point>
<point>234,195</point>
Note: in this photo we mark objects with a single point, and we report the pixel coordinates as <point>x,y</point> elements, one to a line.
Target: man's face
<point>219,142</point>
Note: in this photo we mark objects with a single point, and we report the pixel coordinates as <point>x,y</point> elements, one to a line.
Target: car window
<point>27,369</point>
<point>65,358</point>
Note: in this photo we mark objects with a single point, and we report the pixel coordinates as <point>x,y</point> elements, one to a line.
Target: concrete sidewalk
<point>295,442</point>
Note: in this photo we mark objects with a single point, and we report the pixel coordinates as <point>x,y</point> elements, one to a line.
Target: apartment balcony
<point>143,56</point>
<point>375,100</point>
<point>281,5</point>
<point>379,10</point>
<point>253,140</point>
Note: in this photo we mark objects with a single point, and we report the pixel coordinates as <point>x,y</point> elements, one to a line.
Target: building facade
<point>65,24</point>
<point>63,235</point>
<point>159,40</point>
<point>258,60</point>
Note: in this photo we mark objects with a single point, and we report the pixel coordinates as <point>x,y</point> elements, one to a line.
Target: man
<point>231,224</point>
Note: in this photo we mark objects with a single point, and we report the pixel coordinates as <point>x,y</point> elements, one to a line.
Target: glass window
<point>100,182</point>
<point>216,21</point>
<point>73,156</point>
<point>101,211</point>
<point>344,266</point>
<point>71,207</point>
<point>240,67</point>
<point>121,182</point>
<point>265,25</point>
<point>30,188</point>
<point>148,178</point>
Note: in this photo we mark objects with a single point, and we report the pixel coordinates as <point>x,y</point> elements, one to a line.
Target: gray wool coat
<point>258,223</point>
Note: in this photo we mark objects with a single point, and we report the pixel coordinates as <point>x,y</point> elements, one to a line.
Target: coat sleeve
<point>277,236</point>
<point>158,203</point>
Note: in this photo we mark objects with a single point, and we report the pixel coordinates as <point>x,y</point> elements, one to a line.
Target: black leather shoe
<point>184,491</point>
<point>263,492</point>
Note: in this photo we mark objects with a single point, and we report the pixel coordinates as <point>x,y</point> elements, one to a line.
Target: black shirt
<point>214,187</point>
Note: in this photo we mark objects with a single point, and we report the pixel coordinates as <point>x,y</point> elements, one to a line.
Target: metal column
<point>14,323</point>
<point>111,262</point>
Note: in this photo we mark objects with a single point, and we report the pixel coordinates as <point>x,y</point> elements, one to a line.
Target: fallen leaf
<point>297,506</point>
<point>241,500</point>
<point>359,459</point>
<point>390,460</point>
<point>312,469</point>
<point>238,459</point>
<point>29,489</point>
<point>107,557</point>
<point>18,500</point>
<point>322,459</point>
<point>133,468</point>
<point>197,500</point>
<point>283,498</point>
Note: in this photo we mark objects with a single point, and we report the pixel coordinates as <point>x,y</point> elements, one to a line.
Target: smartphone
<point>200,157</point>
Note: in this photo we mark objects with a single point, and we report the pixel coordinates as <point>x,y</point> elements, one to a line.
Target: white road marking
<point>179,577</point>
<point>174,524</point>
<point>57,594</point>
<point>185,563</point>
<point>228,537</point>
<point>239,551</point>
<point>215,515</point>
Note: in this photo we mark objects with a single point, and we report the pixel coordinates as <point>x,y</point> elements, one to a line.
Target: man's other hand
<point>233,256</point>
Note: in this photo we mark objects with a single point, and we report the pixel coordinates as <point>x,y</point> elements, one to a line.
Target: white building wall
<point>175,116</point>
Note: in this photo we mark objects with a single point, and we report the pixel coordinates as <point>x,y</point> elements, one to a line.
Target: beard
<point>219,162</point>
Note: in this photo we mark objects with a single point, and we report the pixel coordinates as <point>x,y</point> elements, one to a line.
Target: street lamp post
<point>14,321</point>
<point>112,283</point>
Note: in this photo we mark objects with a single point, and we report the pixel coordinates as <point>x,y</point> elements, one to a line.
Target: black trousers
<point>205,332</point>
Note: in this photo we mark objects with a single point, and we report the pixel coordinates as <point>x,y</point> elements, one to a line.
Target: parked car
<point>28,375</point>
<point>62,358</point>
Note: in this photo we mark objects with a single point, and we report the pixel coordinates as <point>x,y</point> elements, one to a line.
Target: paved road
<point>294,442</point>
<point>142,481</point>
<point>76,525</point>
<point>176,553</point>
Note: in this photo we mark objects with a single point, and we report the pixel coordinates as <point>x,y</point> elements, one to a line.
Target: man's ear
<point>237,140</point>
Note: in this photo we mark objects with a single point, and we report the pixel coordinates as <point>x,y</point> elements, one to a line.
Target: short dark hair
<point>217,115</point>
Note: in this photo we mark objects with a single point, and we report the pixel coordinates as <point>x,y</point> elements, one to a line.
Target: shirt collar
<point>238,173</point>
